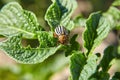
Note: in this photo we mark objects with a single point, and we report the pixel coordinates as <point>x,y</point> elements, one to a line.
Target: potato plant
<point>17,24</point>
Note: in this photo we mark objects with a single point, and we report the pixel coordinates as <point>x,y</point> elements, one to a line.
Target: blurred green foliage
<point>101,5</point>
<point>42,71</point>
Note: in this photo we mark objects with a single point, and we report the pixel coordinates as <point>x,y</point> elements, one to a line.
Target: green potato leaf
<point>59,13</point>
<point>13,20</point>
<point>13,47</point>
<point>114,13</point>
<point>97,29</point>
<point>77,62</point>
<point>89,68</point>
<point>90,33</point>
<point>82,69</point>
<point>109,55</point>
<point>46,39</point>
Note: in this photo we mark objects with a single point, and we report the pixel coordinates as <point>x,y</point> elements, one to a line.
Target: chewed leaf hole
<point>33,43</point>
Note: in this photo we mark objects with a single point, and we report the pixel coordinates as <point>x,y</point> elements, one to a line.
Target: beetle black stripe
<point>60,30</point>
<point>57,31</point>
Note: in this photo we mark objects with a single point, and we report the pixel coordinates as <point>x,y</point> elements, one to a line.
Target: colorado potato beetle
<point>62,34</point>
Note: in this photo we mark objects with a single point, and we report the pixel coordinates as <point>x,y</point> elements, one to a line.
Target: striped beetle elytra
<point>62,34</point>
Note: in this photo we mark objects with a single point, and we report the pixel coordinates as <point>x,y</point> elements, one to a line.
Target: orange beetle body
<point>61,33</point>
<point>62,39</point>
